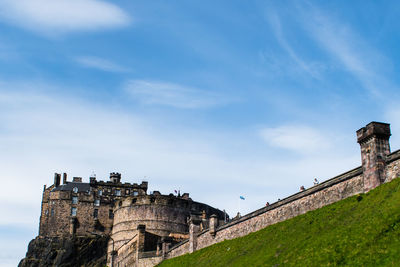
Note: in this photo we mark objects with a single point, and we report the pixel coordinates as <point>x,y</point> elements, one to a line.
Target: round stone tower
<point>162,216</point>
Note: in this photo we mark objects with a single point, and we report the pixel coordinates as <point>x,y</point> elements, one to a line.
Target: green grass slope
<point>363,230</point>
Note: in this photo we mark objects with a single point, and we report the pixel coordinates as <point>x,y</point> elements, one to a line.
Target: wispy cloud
<point>100,64</point>
<point>298,138</point>
<point>345,45</point>
<point>171,94</point>
<point>55,17</point>
<point>308,67</point>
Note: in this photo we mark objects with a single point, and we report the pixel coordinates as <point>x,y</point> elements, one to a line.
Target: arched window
<point>75,189</point>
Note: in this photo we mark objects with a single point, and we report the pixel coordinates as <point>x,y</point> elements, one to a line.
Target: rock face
<point>65,252</point>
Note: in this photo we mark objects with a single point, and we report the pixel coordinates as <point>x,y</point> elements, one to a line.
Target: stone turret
<point>374,143</point>
<point>115,177</point>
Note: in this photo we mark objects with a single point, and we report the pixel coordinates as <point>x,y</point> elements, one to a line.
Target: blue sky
<point>215,98</point>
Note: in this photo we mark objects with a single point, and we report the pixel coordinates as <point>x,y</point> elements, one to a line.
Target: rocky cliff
<point>65,252</point>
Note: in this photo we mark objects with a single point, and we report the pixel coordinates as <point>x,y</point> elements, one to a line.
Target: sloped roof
<point>82,187</point>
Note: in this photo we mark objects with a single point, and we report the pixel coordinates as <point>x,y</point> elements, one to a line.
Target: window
<point>52,212</point>
<point>75,189</point>
<point>97,202</point>
<point>46,212</point>
<point>127,191</point>
<point>134,201</point>
<point>100,192</point>
<point>74,200</point>
<point>110,214</point>
<point>95,213</point>
<point>117,192</point>
<point>135,193</point>
<point>73,211</point>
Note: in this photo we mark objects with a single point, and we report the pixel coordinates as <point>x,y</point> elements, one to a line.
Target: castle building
<point>75,207</point>
<point>137,223</point>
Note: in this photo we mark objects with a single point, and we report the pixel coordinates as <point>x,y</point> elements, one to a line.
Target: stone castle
<point>145,229</point>
<point>121,211</point>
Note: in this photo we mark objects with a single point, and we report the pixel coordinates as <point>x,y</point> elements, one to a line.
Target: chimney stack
<point>57,178</point>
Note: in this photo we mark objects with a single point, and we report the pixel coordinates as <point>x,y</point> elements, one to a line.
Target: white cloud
<point>297,138</point>
<point>101,64</point>
<point>58,16</point>
<point>170,94</point>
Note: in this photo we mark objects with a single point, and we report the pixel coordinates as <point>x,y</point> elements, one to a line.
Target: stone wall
<point>393,166</point>
<point>178,249</point>
<point>56,218</point>
<point>314,198</point>
<point>149,262</point>
<point>127,253</point>
<point>330,191</point>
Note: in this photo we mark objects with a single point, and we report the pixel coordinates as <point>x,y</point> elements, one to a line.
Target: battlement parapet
<point>374,129</point>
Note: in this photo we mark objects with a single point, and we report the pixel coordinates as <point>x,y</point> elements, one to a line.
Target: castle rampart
<point>378,166</point>
<point>330,191</point>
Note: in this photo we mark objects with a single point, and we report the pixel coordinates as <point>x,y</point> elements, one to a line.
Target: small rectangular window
<point>74,200</point>
<point>97,202</point>
<point>135,193</point>
<point>100,192</point>
<point>117,192</point>
<point>73,211</point>
<point>127,191</point>
<point>110,214</point>
<point>52,212</point>
<point>95,213</point>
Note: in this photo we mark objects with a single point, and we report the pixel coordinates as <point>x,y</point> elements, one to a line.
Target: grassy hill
<point>363,230</point>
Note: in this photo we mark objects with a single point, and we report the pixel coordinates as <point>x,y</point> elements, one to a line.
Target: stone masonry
<point>77,208</point>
